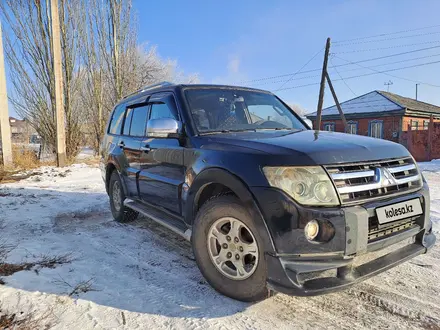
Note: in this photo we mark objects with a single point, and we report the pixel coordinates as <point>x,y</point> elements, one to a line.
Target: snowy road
<point>143,276</point>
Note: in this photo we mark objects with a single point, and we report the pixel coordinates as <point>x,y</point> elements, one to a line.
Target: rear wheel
<point>120,212</point>
<point>228,249</point>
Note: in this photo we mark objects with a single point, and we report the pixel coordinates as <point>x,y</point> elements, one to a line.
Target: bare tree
<point>101,60</point>
<point>113,63</point>
<point>30,59</point>
<point>299,110</point>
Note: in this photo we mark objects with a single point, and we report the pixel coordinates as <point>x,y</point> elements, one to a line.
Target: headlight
<point>307,185</point>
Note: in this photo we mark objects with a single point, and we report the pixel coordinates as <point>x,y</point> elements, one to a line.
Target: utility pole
<point>58,71</point>
<point>4,113</point>
<point>416,90</point>
<point>338,105</point>
<point>322,87</point>
<point>388,84</point>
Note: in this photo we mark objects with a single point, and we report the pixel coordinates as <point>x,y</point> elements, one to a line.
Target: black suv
<point>267,203</point>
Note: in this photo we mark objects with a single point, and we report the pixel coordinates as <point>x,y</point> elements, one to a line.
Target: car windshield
<point>220,110</point>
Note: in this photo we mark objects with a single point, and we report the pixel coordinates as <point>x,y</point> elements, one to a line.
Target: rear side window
<point>127,122</point>
<point>161,110</point>
<point>139,121</point>
<point>117,119</point>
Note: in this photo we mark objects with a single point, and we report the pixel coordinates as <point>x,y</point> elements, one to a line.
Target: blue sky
<point>237,41</point>
<point>234,42</point>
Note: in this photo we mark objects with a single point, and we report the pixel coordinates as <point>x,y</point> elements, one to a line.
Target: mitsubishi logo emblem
<point>384,177</point>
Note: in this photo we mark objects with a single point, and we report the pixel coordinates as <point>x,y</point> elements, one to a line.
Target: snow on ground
<point>86,152</point>
<point>143,276</point>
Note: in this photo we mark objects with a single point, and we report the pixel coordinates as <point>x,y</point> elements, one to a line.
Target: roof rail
<point>145,88</point>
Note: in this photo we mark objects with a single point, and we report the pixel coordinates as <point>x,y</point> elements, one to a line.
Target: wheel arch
<point>216,181</point>
<point>109,169</point>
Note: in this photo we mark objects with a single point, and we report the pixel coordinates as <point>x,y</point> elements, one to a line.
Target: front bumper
<point>286,273</point>
<point>301,268</point>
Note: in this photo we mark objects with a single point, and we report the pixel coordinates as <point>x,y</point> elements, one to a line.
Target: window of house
<point>117,120</point>
<point>329,127</point>
<point>161,110</point>
<point>352,127</point>
<point>376,129</point>
<point>139,121</point>
<point>426,124</point>
<point>414,125</point>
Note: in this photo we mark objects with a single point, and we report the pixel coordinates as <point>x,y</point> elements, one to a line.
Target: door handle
<point>146,148</point>
<point>121,144</point>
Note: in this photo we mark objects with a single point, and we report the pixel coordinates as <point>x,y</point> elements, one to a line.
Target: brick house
<point>379,114</point>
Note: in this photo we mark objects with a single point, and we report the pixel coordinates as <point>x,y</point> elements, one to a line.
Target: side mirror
<point>164,128</point>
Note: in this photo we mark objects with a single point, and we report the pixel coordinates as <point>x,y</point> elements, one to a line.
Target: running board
<point>160,217</point>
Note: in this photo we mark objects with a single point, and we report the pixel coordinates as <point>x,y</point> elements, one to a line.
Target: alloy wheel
<point>116,196</point>
<point>232,248</point>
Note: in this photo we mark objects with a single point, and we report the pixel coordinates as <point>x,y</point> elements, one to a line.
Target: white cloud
<point>233,73</point>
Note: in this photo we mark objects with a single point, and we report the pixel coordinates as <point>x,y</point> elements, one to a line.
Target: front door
<point>161,161</point>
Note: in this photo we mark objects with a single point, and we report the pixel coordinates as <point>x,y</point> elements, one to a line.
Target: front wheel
<point>228,249</point>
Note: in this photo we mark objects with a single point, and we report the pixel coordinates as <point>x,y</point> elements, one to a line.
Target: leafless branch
<point>76,289</point>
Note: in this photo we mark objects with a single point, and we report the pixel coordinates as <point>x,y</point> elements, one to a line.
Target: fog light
<point>311,230</point>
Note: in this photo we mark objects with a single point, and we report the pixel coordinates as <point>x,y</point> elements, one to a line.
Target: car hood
<point>318,146</point>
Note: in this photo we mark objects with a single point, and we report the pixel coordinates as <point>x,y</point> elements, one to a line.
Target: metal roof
<point>378,102</point>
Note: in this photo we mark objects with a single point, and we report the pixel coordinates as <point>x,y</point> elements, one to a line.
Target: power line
<point>392,55</point>
<point>349,70</point>
<point>387,39</point>
<point>394,69</point>
<point>394,76</point>
<point>298,86</point>
<point>285,81</point>
<point>340,65</point>
<point>389,63</point>
<point>345,83</point>
<point>351,90</point>
<point>390,47</point>
<point>373,73</point>
<point>387,34</point>
<point>291,77</point>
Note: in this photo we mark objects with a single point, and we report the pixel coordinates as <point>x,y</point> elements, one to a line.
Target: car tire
<point>120,212</point>
<point>205,246</point>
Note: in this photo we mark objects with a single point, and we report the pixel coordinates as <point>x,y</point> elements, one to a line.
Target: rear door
<point>161,160</point>
<point>130,141</point>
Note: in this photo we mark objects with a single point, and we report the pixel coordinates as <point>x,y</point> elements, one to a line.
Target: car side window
<point>117,119</point>
<point>139,121</point>
<point>127,122</point>
<point>161,110</point>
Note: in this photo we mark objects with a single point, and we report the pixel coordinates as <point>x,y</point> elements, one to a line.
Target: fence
<point>423,144</point>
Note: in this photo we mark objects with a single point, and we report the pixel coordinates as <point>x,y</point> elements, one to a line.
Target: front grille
<point>377,231</point>
<point>360,182</point>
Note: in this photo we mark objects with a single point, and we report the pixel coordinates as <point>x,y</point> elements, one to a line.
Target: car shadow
<point>140,267</point>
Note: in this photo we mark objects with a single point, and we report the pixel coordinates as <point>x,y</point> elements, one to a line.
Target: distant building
<point>21,130</point>
<point>379,114</point>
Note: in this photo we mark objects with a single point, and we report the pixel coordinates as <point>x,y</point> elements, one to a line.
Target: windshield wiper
<point>293,130</point>
<point>274,128</point>
<point>229,131</point>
